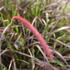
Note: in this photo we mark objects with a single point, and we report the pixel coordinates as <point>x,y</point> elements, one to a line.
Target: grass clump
<point>20,49</point>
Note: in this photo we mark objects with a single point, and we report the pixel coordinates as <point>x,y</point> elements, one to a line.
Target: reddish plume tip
<point>39,37</point>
